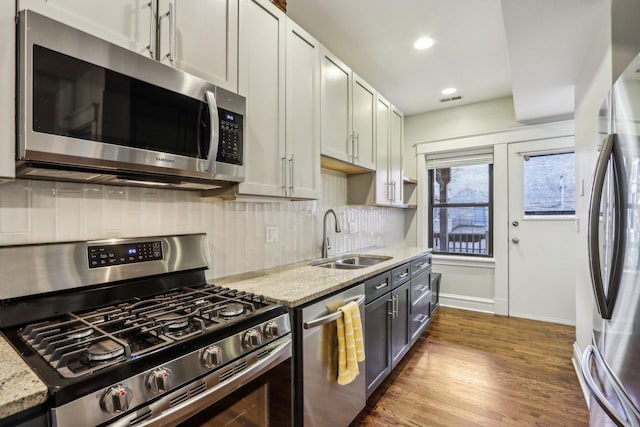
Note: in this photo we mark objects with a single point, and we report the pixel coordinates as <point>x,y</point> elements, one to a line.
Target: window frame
<point>432,205</point>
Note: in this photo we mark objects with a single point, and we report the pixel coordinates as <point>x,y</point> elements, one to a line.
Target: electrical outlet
<point>271,234</point>
<point>353,228</point>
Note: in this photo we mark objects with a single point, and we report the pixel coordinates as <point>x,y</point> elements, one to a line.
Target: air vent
<point>453,98</point>
<point>240,367</point>
<point>141,418</point>
<point>178,399</point>
<point>226,374</point>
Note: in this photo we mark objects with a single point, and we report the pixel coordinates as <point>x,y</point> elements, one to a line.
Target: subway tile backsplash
<point>42,211</point>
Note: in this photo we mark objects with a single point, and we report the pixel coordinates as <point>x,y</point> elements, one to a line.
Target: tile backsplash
<point>43,211</point>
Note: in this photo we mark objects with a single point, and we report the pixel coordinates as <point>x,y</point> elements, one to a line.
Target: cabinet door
<point>364,113</point>
<point>127,23</point>
<point>383,186</point>
<point>395,157</point>
<point>302,113</point>
<point>263,31</point>
<point>205,41</point>
<point>336,92</point>
<point>377,341</point>
<point>400,327</point>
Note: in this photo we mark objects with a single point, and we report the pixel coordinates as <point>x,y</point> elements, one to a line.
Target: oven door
<point>258,393</point>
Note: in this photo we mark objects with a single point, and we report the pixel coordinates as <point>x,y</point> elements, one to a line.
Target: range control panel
<point>118,254</point>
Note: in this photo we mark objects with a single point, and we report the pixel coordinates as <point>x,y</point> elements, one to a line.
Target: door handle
<point>214,121</point>
<point>515,223</point>
<point>153,29</point>
<point>515,240</point>
<point>332,316</point>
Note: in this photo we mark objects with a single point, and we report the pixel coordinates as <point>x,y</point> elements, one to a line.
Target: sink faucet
<point>325,240</point>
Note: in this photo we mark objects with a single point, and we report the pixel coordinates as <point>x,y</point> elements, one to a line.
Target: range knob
<point>272,330</point>
<point>159,380</point>
<point>116,399</point>
<point>252,338</point>
<point>211,356</point>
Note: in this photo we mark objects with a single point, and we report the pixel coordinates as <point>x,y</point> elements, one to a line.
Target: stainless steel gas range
<point>127,332</point>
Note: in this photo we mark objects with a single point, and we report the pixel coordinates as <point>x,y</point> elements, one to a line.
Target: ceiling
<point>487,49</point>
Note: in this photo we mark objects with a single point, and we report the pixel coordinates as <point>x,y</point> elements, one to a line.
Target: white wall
<point>42,211</point>
<point>592,86</point>
<point>471,119</point>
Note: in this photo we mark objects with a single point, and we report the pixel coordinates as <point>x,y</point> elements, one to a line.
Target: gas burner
<point>104,350</point>
<point>232,309</point>
<point>79,333</point>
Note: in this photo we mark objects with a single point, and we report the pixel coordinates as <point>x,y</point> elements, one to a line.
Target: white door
<point>364,113</point>
<point>303,113</point>
<point>336,108</point>
<point>206,39</point>
<point>542,230</point>
<point>127,23</point>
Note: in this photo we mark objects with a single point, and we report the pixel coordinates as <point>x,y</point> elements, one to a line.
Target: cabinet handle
<point>402,275</point>
<point>353,146</point>
<point>172,33</point>
<point>153,28</point>
<point>392,313</point>
<point>291,174</point>
<point>357,147</point>
<point>396,310</point>
<point>381,285</point>
<point>421,318</point>
<point>283,162</point>
<point>422,289</point>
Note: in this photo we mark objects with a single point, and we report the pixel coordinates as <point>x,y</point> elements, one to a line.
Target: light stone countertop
<point>20,388</point>
<point>299,283</point>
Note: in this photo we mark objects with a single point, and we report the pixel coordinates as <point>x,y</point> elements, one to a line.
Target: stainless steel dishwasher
<point>321,401</point>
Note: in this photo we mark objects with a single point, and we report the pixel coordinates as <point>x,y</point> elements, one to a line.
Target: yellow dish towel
<point>350,344</point>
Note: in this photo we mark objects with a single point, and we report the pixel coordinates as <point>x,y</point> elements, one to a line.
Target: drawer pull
<point>421,318</point>
<point>381,285</point>
<point>422,264</point>
<point>402,275</point>
<point>422,289</point>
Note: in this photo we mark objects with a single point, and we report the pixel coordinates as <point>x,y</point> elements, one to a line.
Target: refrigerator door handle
<point>610,150</point>
<point>629,420</point>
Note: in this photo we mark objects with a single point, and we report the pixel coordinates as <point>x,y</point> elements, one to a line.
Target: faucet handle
<point>328,244</point>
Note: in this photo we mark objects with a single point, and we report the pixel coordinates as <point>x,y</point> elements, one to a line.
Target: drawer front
<point>400,275</point>
<point>420,265</point>
<point>420,286</point>
<point>377,286</point>
<point>420,314</point>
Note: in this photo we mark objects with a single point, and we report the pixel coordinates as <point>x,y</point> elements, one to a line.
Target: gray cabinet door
<point>400,328</point>
<point>377,341</point>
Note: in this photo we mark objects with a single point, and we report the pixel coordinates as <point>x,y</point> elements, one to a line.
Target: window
<point>461,205</point>
<point>549,184</point>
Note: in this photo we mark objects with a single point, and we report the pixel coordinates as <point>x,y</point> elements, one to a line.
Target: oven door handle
<point>215,129</point>
<point>333,316</point>
<point>190,407</point>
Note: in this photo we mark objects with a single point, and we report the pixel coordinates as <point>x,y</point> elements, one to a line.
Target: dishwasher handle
<point>333,316</point>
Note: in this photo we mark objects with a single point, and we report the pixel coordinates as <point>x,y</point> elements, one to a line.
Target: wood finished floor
<point>475,369</point>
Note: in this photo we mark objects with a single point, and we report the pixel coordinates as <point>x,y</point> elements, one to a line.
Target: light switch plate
<point>353,228</point>
<point>271,234</point>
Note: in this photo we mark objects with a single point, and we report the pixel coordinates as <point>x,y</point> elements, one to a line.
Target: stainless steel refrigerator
<point>611,365</point>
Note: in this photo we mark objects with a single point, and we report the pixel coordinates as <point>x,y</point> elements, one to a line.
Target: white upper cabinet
<point>383,127</point>
<point>201,38</point>
<point>7,97</point>
<point>364,113</point>
<point>395,157</point>
<point>348,114</point>
<point>336,92</point>
<point>280,72</point>
<point>302,113</point>
<point>127,23</point>
<point>263,76</point>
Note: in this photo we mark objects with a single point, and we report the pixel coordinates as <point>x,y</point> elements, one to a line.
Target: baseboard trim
<point>483,305</point>
<point>543,319</point>
<point>501,306</point>
<point>576,361</point>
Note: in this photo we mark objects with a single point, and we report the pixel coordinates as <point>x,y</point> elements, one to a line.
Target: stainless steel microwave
<point>91,111</point>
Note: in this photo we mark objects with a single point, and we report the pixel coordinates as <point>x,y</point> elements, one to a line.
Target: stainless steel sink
<point>351,262</point>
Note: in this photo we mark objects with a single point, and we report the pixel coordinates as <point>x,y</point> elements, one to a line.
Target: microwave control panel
<point>118,254</point>
<point>231,134</point>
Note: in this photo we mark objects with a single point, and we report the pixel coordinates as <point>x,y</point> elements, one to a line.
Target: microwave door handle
<point>594,225</point>
<point>215,129</point>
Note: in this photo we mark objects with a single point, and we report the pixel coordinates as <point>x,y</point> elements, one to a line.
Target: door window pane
<point>549,184</point>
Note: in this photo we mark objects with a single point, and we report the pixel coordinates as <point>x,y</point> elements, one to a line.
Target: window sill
<point>463,261</point>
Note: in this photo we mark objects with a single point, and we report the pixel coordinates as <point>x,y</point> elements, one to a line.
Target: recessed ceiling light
<point>423,43</point>
<point>449,91</point>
